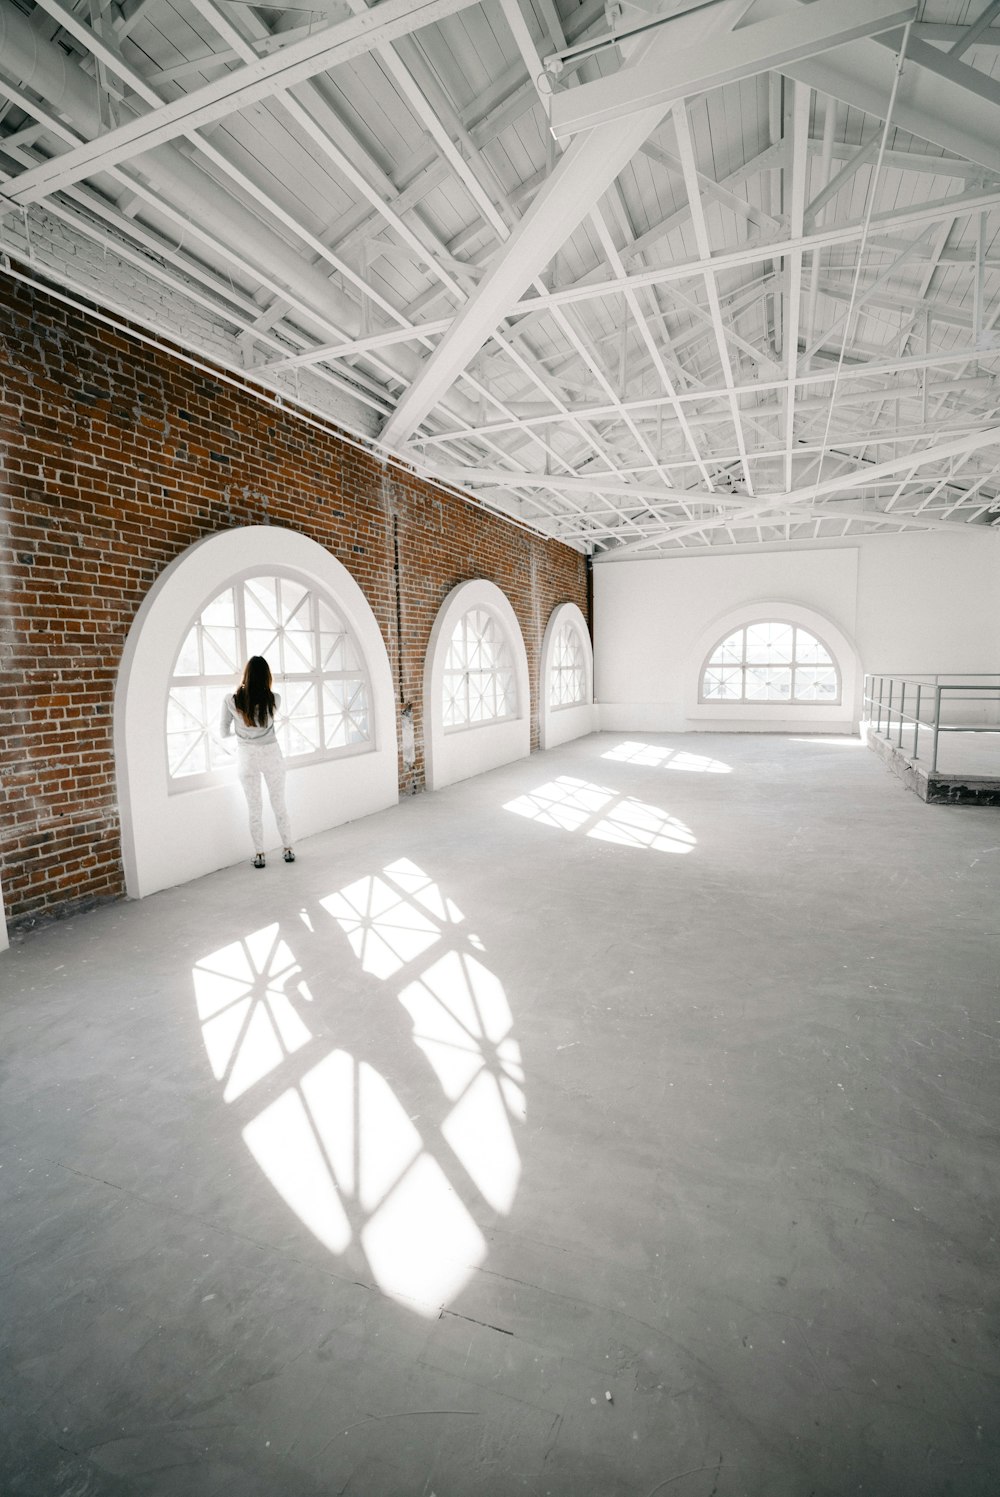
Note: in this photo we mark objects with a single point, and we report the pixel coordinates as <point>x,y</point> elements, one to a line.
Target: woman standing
<point>249,713</point>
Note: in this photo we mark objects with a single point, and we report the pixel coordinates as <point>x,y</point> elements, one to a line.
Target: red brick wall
<point>113,459</point>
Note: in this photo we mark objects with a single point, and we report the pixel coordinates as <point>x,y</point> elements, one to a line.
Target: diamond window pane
<point>264,642</point>
<point>309,650</point>
<point>478,679</point>
<point>337,652</point>
<point>769,644</point>
<point>768,684</point>
<point>185,709</point>
<point>220,651</point>
<point>771,662</point>
<point>809,651</point>
<point>188,661</point>
<point>299,735</point>
<point>260,600</point>
<point>345,712</point>
<point>722,683</point>
<point>566,677</point>
<point>730,651</point>
<point>815,684</point>
<point>221,612</point>
<point>187,753</point>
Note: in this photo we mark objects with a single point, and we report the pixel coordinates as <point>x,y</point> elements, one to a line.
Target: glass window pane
<point>809,651</point>
<point>769,644</point>
<point>264,642</point>
<point>722,684</point>
<point>221,612</point>
<point>188,662</point>
<point>220,655</point>
<point>478,680</point>
<point>187,753</point>
<point>816,684</point>
<point>730,651</point>
<point>184,709</point>
<point>278,619</point>
<point>260,600</point>
<point>768,683</point>
<point>337,652</point>
<point>566,683</point>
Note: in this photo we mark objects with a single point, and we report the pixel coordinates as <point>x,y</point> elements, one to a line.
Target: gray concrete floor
<point>675,1082</point>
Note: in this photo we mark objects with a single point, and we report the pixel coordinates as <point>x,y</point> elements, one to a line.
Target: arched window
<point>567,669</point>
<point>478,672</point>
<point>770,661</point>
<point>316,664</point>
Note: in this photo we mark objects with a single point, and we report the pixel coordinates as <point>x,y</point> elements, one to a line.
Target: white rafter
<point>629,343</point>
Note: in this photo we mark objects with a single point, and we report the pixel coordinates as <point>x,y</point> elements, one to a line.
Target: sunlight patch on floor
<point>656,756</point>
<point>607,815</point>
<point>362,1161</point>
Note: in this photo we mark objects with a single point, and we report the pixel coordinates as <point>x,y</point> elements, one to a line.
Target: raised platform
<point>971,775</point>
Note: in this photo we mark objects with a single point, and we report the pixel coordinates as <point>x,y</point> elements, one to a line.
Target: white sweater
<point>231,721</point>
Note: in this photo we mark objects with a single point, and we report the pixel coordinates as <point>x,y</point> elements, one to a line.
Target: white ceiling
<point>649,278</point>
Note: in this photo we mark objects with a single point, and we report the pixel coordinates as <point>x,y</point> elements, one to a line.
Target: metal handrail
<point>938,688</point>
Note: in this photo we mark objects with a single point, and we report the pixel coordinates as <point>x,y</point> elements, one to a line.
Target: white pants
<point>254,760</point>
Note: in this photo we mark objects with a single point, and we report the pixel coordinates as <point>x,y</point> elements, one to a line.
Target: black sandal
<point>258,861</point>
<point>289,855</point>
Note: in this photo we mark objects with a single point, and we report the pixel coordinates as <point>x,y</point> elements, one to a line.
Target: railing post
<point>902,710</point>
<point>916,725</point>
<point>888,710</point>
<point>937,726</point>
<point>881,688</point>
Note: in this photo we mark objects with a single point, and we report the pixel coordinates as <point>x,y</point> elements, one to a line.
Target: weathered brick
<point>116,458</point>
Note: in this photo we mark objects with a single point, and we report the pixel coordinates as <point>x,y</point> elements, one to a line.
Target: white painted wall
<point>459,753</point>
<point>922,601</point>
<point>169,835</point>
<point>930,602</point>
<point>561,724</point>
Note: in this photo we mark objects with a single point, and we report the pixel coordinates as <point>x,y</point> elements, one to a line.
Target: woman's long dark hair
<point>253,698</point>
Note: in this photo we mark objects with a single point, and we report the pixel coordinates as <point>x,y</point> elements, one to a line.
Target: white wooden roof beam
<point>576,183</point>
<point>669,73</point>
<point>650,404</point>
<point>685,145</point>
<point>235,91</point>
<point>949,33</point>
<point>922,213</point>
<point>526,46</point>
<point>317,122</point>
<point>939,99</point>
<point>864,474</point>
<point>802,98</point>
<point>632,302</point>
<point>869,293</point>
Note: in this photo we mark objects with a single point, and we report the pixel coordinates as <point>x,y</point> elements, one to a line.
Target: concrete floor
<point>662,1069</point>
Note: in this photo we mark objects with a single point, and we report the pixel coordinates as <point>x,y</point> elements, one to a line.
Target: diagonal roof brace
<point>668,73</point>
<point>581,176</point>
<point>596,156</point>
<point>234,91</point>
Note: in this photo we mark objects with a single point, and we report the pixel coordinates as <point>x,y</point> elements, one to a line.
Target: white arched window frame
<point>168,838</point>
<point>775,716</point>
<point>771,663</point>
<point>566,678</point>
<point>318,671</point>
<point>478,677</point>
<point>457,749</point>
